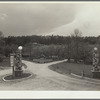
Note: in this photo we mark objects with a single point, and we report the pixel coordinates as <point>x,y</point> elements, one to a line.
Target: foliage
<point>2,46</point>
<point>74,47</point>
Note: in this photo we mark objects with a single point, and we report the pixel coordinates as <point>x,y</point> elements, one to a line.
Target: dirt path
<point>47,79</point>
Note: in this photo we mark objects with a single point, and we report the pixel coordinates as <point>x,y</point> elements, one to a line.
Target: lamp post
<point>18,71</point>
<point>95,59</point>
<point>20,48</point>
<point>95,68</point>
<point>20,56</point>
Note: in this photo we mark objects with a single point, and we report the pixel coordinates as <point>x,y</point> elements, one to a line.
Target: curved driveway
<point>47,79</point>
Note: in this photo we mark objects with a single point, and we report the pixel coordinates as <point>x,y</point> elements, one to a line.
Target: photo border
<point>49,95</point>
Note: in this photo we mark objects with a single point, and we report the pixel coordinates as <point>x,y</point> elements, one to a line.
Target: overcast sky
<point>49,18</point>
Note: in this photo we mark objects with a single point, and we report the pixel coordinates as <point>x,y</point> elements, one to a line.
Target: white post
<point>12,63</point>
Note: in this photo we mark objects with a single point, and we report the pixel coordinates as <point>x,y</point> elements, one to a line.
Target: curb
<point>15,79</point>
<point>91,80</point>
<point>76,75</point>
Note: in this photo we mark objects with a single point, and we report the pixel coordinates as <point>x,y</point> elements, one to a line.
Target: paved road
<point>46,79</point>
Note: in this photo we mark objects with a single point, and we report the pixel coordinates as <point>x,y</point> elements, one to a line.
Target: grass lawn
<point>5,64</point>
<point>39,60</point>
<point>66,68</point>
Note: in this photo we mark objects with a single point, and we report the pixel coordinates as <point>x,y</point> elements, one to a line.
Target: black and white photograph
<point>49,46</point>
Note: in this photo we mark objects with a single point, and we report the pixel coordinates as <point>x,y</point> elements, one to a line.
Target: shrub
<point>88,61</point>
<point>1,57</point>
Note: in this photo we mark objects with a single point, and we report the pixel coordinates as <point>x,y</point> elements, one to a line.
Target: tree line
<point>74,47</point>
<point>47,40</point>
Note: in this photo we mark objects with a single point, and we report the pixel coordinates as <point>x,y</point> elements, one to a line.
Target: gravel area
<point>47,79</point>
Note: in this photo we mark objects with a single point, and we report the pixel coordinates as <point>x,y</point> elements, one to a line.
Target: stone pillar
<point>18,65</point>
<point>95,68</point>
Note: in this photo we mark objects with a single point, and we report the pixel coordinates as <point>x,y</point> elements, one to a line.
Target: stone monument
<point>16,63</point>
<point>96,69</point>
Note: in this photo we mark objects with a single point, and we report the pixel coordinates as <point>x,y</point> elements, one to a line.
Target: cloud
<point>3,16</point>
<point>49,18</point>
<point>30,19</point>
<point>86,20</point>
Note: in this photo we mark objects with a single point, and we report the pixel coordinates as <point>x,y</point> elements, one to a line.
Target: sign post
<point>12,63</point>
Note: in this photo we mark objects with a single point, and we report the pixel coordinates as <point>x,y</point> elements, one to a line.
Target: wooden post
<point>69,71</point>
<point>13,71</point>
<point>82,74</point>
